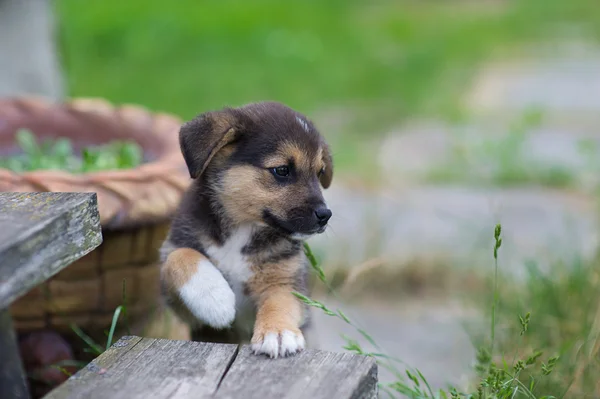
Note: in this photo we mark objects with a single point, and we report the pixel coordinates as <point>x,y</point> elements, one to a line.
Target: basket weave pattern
<point>123,270</point>
<point>135,206</point>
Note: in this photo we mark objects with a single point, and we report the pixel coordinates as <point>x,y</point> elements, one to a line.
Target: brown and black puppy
<point>234,254</point>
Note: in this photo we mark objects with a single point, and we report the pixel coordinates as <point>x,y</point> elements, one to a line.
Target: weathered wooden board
<point>310,374</point>
<point>12,377</point>
<point>148,368</point>
<point>40,234</point>
<point>151,368</point>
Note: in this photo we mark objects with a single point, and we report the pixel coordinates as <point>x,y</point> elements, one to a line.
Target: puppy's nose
<point>323,215</point>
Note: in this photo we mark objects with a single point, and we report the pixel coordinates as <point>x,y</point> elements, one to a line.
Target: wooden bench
<point>40,234</point>
<point>144,368</point>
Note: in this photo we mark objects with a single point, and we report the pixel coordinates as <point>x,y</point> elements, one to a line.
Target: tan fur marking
<point>273,274</point>
<point>180,266</point>
<point>227,138</point>
<point>287,151</point>
<point>245,193</point>
<point>299,155</point>
<point>327,161</point>
<point>276,160</point>
<point>278,309</point>
<point>318,161</point>
<point>223,155</point>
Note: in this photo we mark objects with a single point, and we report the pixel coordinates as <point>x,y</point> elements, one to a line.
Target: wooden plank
<point>42,233</point>
<point>151,368</point>
<point>12,377</point>
<point>310,374</point>
<point>142,368</point>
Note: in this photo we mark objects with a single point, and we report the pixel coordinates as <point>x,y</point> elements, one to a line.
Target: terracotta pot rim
<point>149,192</point>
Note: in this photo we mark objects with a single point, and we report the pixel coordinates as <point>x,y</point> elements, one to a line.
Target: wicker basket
<point>135,206</point>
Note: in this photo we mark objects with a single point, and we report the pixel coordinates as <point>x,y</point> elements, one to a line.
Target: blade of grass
<point>125,313</point>
<point>93,346</point>
<point>113,326</point>
<point>386,390</point>
<point>387,363</point>
<point>497,244</point>
<point>425,382</point>
<point>62,370</point>
<point>70,363</point>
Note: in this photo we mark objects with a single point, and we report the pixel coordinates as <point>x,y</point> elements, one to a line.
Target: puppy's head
<point>263,163</point>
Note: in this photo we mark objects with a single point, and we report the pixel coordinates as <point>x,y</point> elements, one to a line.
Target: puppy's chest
<point>231,260</point>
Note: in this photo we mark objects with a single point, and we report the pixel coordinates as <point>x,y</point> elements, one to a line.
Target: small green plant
<point>563,301</point>
<point>506,380</point>
<point>95,348</point>
<point>92,346</point>
<point>58,154</point>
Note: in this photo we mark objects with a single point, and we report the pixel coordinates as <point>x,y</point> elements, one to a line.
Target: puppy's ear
<point>327,176</point>
<point>202,137</point>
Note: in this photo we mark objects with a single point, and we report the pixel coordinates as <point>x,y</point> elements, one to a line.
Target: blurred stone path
<point>413,218</point>
<point>455,225</point>
<point>563,79</point>
<point>427,336</point>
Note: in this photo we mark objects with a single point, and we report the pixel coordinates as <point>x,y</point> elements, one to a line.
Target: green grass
<point>507,368</point>
<point>382,60</point>
<point>564,303</point>
<point>543,340</point>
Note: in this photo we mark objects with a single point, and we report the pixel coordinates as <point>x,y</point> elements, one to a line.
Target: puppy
<point>234,254</point>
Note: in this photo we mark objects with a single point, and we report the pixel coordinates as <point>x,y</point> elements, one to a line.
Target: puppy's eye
<point>320,172</point>
<point>281,171</point>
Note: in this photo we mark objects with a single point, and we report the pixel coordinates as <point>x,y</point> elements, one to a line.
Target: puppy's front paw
<point>275,343</point>
<point>209,297</point>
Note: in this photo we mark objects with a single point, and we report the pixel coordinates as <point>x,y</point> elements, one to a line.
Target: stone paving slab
<point>567,81</point>
<point>455,224</point>
<point>428,336</point>
<point>478,153</point>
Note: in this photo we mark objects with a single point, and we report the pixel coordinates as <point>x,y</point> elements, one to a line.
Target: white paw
<point>283,344</point>
<point>209,297</point>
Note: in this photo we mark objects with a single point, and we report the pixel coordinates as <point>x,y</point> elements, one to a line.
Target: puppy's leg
<point>277,327</point>
<point>195,283</point>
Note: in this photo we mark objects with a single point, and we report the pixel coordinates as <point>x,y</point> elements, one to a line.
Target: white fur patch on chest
<point>230,260</point>
<point>235,267</point>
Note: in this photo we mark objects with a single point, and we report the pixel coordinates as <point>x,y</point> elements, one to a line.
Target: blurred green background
<point>380,61</point>
<point>361,69</point>
<point>392,57</point>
